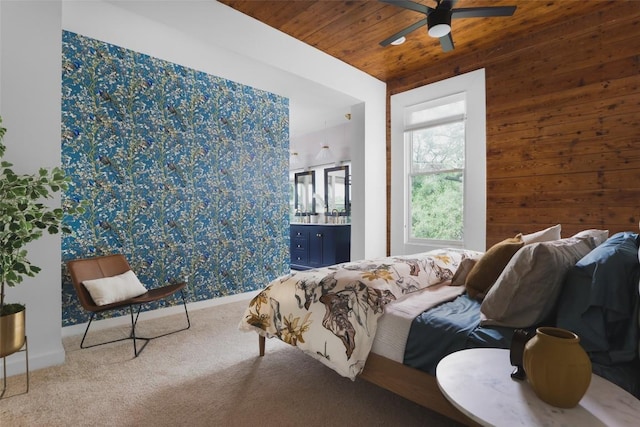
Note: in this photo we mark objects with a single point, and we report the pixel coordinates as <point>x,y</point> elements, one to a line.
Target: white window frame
<point>473,85</point>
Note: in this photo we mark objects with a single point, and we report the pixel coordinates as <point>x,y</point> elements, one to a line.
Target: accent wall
<point>184,172</point>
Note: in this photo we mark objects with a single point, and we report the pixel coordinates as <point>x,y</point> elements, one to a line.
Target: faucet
<point>334,216</point>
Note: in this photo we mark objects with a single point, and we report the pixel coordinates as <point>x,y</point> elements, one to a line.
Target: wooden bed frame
<point>412,384</point>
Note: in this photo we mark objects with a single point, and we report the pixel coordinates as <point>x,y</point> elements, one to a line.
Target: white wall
<point>30,49</point>
<point>190,33</point>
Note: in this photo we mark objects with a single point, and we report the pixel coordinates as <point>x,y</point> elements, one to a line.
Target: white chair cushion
<point>114,289</point>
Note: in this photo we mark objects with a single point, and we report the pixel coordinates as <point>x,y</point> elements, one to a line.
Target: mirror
<point>305,203</point>
<point>336,191</point>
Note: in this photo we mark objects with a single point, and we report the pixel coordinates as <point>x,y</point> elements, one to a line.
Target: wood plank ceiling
<point>352,30</point>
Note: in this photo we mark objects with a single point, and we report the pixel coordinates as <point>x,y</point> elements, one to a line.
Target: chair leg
<point>147,339</point>
<point>133,323</point>
<point>87,330</point>
<point>184,303</point>
<point>132,334</point>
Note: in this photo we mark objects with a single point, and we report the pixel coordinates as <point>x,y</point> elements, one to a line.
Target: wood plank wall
<point>563,124</point>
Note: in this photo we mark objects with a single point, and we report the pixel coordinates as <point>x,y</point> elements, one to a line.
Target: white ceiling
<point>308,146</point>
<point>313,107</point>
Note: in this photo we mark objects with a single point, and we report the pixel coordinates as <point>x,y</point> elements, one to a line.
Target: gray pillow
<point>598,236</point>
<point>460,276</point>
<point>528,287</point>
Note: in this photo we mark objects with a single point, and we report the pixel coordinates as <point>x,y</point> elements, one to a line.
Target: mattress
<point>395,324</point>
<point>421,328</point>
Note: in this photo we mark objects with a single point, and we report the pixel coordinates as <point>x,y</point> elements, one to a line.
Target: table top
<point>478,383</point>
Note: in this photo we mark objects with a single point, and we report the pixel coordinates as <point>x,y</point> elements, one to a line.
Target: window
<point>438,166</point>
<point>435,145</point>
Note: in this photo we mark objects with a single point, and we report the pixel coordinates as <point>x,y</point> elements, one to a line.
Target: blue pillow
<point>599,300</point>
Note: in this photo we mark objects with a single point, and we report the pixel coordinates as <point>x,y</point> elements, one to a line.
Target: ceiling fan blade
<point>446,42</point>
<point>483,12</point>
<point>410,5</point>
<point>404,32</point>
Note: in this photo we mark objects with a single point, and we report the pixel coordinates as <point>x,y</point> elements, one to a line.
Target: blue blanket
<point>447,328</point>
<point>599,300</point>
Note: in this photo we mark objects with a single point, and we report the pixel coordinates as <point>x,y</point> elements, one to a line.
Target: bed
<point>333,313</point>
<point>390,320</point>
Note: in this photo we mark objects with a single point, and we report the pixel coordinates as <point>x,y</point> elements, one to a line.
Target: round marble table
<point>478,383</point>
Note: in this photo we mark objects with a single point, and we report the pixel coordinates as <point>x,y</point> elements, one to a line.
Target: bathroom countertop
<point>318,223</point>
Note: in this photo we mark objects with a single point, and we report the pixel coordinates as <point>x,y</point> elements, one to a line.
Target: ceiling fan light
<point>439,23</point>
<point>439,30</point>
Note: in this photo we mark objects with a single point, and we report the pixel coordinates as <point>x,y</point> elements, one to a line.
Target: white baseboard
<point>16,361</point>
<point>79,329</point>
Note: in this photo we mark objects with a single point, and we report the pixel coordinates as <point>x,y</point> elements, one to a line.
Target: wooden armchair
<point>108,266</point>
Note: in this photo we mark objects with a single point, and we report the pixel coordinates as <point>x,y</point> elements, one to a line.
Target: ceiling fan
<point>438,20</point>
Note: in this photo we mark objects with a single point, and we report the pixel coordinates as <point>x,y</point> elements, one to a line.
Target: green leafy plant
<point>23,219</point>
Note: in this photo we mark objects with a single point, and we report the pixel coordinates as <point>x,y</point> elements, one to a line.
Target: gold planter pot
<point>12,333</point>
<point>12,340</point>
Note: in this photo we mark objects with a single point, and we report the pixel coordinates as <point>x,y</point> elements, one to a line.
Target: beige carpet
<point>210,375</point>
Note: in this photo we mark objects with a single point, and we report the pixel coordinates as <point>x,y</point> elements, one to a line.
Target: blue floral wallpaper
<point>183,172</point>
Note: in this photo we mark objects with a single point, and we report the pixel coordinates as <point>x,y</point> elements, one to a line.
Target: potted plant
<point>23,219</point>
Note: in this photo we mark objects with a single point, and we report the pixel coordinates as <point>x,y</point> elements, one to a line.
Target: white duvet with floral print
<point>331,313</point>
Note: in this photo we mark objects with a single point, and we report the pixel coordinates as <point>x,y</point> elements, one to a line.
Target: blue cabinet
<point>314,245</point>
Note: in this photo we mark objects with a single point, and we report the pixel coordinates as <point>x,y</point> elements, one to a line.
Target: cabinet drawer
<point>299,257</point>
<point>299,244</point>
<point>295,234</point>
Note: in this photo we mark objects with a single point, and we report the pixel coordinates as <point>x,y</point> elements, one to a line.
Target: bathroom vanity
<point>321,239</point>
<point>319,245</point>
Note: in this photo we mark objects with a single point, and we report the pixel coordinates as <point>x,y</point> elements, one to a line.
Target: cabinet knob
<point>319,235</point>
<point>299,246</point>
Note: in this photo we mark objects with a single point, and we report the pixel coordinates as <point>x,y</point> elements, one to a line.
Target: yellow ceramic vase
<point>557,367</point>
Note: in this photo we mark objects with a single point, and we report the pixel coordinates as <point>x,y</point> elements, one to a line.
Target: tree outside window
<point>436,139</point>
